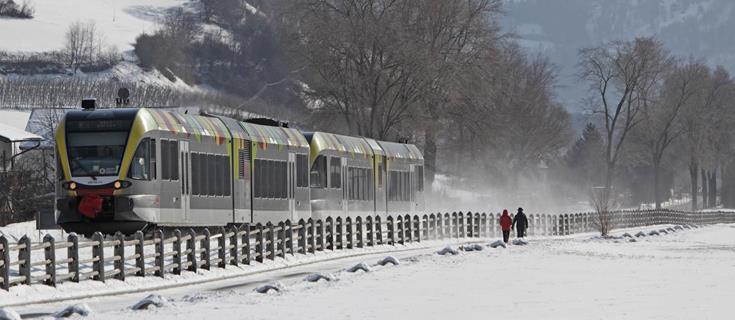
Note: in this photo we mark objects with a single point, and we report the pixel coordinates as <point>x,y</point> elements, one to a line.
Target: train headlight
<point>69,185</point>
<point>121,184</point>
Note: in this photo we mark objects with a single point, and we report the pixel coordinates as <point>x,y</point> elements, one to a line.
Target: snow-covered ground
<point>120,21</point>
<point>681,275</point>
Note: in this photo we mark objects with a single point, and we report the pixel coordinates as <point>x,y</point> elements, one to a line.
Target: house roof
<point>12,126</point>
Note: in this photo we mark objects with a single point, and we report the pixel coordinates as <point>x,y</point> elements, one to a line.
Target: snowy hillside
<point>119,20</point>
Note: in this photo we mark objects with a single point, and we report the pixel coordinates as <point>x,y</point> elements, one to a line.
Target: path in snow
<point>676,276</point>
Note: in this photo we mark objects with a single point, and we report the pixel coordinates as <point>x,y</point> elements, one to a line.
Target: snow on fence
<point>52,261</point>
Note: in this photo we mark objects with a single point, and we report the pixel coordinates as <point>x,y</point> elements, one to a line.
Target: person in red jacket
<point>505,224</point>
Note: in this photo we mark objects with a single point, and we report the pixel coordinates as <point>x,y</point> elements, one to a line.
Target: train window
<point>370,184</point>
<point>319,172</point>
<point>226,176</point>
<point>211,174</point>
<point>275,179</point>
<point>302,171</point>
<point>174,156</point>
<point>351,183</point>
<point>335,176</point>
<point>284,179</point>
<point>154,159</point>
<point>139,165</point>
<point>269,179</point>
<point>257,177</point>
<point>194,173</point>
<point>218,173</point>
<point>165,161</point>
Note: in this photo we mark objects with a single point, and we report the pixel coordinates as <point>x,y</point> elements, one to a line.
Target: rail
<point>52,261</point>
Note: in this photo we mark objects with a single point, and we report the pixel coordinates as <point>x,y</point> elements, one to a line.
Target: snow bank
<point>81,309</point>
<point>447,250</point>
<point>152,300</point>
<point>520,242</point>
<point>387,260</point>
<point>8,314</point>
<point>497,244</point>
<point>271,287</point>
<point>472,247</point>
<point>315,277</point>
<point>359,267</point>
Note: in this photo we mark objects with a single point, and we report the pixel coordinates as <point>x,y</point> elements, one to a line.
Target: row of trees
<point>655,110</point>
<point>440,73</point>
<point>9,8</point>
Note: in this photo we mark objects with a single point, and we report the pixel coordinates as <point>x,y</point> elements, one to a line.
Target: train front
<point>103,161</point>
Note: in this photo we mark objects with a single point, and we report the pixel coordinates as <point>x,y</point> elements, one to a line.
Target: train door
<point>185,174</point>
<point>291,183</point>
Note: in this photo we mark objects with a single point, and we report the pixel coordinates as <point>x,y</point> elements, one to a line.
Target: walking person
<point>505,225</point>
<point>521,223</point>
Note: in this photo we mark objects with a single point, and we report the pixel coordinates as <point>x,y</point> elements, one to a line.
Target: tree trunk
<point>656,184</point>
<point>693,175</point>
<point>429,156</point>
<point>713,188</point>
<point>705,194</point>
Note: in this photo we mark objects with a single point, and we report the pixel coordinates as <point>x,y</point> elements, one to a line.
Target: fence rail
<point>52,261</point>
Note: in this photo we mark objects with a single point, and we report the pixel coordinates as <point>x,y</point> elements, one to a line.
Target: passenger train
<point>134,169</point>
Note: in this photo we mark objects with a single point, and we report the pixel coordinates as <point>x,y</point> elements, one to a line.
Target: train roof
<point>356,147</point>
<point>275,135</point>
<point>177,122</point>
<point>401,150</point>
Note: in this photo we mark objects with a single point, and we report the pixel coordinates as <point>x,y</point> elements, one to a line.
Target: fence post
<point>281,241</point>
<point>370,230</point>
<point>378,230</point>
<point>98,252</point>
<point>329,233</point>
<point>5,259</point>
<point>222,248</point>
<point>358,233</point>
<point>401,234</point>
<point>235,247</point>
<point>454,231</point>
<point>348,232</point>
<point>338,233</point>
<point>246,244</point>
<point>205,248</point>
<point>270,243</point>
<point>49,253</point>
<point>178,252</point>
<point>320,235</point>
<point>24,259</point>
<point>119,252</point>
<point>425,227</point>
<point>259,256</point>
<point>288,237</point>
<point>302,236</point>
<point>391,231</point>
<point>310,237</point>
<point>408,231</point>
<point>470,225</point>
<point>191,251</point>
<point>139,253</point>
<point>439,232</point>
<point>160,261</point>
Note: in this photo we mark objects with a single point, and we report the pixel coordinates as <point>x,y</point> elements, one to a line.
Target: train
<point>129,169</point>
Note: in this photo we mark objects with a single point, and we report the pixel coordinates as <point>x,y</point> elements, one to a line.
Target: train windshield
<point>96,153</point>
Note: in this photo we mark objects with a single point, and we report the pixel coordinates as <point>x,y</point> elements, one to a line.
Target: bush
<point>8,8</point>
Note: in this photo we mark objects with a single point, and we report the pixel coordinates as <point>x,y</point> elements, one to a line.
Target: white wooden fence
<point>52,261</point>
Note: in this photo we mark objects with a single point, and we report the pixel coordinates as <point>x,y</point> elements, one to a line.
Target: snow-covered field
<point>121,21</point>
<point>681,275</point>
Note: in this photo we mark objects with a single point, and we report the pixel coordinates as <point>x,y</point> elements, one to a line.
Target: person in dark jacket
<point>521,223</point>
<point>505,225</point>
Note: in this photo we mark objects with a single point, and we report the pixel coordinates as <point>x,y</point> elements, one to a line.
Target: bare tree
<point>622,76</point>
<point>661,126</point>
<point>83,44</point>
